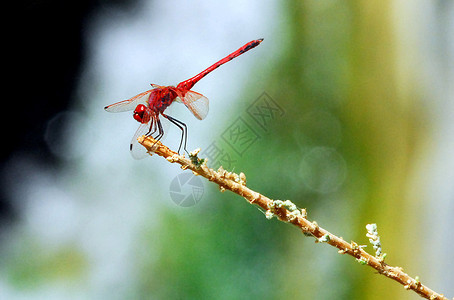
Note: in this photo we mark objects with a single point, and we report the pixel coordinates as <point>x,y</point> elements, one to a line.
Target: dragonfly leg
<point>155,125</point>
<point>183,128</point>
<point>152,127</point>
<point>160,130</point>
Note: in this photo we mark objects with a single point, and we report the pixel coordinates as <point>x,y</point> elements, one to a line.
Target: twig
<point>287,212</point>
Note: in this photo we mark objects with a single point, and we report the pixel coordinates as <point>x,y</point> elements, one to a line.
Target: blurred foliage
<point>32,264</point>
<point>346,120</point>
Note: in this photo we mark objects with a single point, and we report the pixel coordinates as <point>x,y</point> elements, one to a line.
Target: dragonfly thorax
<point>161,98</point>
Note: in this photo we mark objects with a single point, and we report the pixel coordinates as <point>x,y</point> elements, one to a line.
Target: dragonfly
<point>150,105</point>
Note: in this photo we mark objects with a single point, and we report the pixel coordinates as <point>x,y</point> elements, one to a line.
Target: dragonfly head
<point>142,114</point>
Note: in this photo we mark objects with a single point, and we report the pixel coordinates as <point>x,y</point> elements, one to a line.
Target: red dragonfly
<point>149,105</point>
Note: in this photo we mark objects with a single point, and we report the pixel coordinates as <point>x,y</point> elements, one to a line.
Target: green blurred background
<point>358,142</point>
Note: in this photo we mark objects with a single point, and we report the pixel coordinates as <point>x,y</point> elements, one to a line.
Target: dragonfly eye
<point>141,114</point>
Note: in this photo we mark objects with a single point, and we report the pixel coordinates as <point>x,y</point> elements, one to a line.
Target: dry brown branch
<point>287,212</point>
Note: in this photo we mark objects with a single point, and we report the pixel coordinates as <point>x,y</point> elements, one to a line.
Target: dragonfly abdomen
<point>188,84</point>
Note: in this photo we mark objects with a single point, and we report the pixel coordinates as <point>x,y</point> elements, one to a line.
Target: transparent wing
<point>197,103</point>
<point>137,150</point>
<point>129,104</point>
